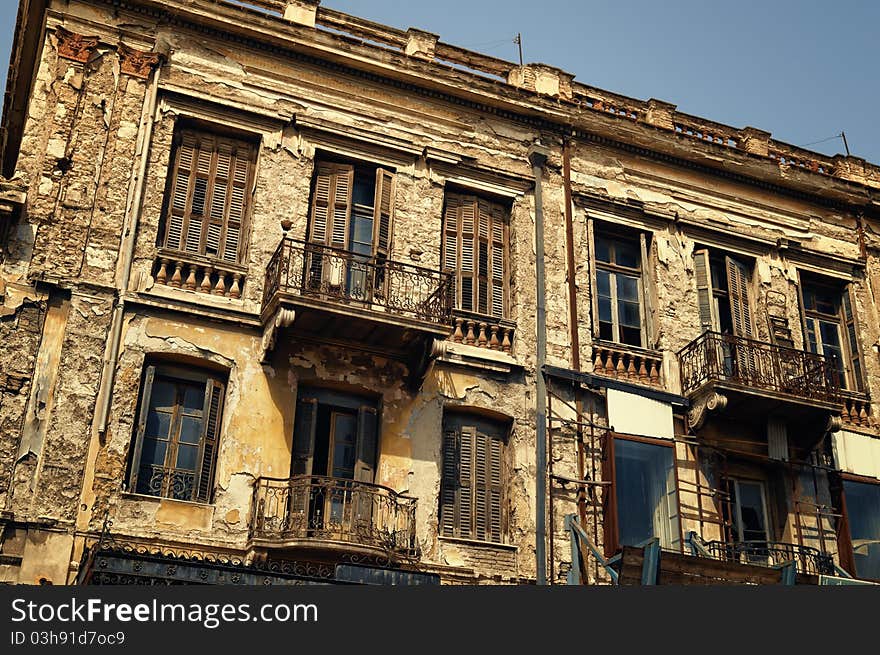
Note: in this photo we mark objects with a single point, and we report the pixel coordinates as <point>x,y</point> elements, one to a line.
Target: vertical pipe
<point>573,329</point>
<point>537,156</point>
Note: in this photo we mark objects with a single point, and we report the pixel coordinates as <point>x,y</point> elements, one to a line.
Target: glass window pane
<point>364,187</point>
<point>603,250</point>
<point>190,429</point>
<point>719,275</point>
<point>603,283</point>
<point>605,309</point>
<point>627,254</point>
<point>158,424</point>
<point>646,495</point>
<point>187,456</point>
<point>628,314</point>
<point>163,395</point>
<point>606,331</point>
<point>811,335</point>
<point>153,452</point>
<point>830,334</point>
<point>194,398</point>
<point>863,511</point>
<point>631,335</point>
<point>627,288</point>
<point>753,524</point>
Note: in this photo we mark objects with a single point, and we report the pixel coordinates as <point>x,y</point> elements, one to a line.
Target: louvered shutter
<point>481,486</point>
<point>853,348</point>
<point>449,484</point>
<point>321,204</point>
<point>594,293</point>
<point>365,469</point>
<point>467,437</point>
<point>212,414</point>
<point>647,285</point>
<point>210,189</point>
<point>341,182</point>
<point>304,436</point>
<point>738,291</point>
<point>451,245</point>
<point>383,212</point>
<point>467,271</point>
<point>495,491</point>
<point>146,390</point>
<point>702,271</point>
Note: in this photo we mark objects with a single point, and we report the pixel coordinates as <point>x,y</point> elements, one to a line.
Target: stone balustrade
<point>625,363</point>
<point>184,271</point>
<point>483,331</point>
<point>856,410</point>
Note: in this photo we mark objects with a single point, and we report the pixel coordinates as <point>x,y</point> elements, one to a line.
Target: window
<point>475,238</point>
<point>745,512</point>
<point>830,328</point>
<point>619,303</point>
<point>862,501</point>
<point>723,293</point>
<point>176,440</point>
<point>472,499</point>
<point>645,498</point>
<point>210,186</point>
<point>335,435</point>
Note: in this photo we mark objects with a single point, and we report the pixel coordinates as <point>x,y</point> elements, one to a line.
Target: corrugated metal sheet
<point>629,413</point>
<point>857,453</point>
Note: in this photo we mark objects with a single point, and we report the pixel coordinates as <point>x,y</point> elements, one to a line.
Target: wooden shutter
<point>211,184</point>
<point>331,204</point>
<point>591,260</point>
<point>498,256</point>
<point>800,292</point>
<point>367,429</point>
<point>611,534</point>
<point>495,491</point>
<point>467,437</point>
<point>703,273</point>
<point>481,486</point>
<point>449,484</point>
<point>853,347</point>
<point>467,260</point>
<point>212,415</point>
<point>146,390</point>
<point>647,284</point>
<point>304,436</point>
<point>738,292</point>
<point>383,212</point>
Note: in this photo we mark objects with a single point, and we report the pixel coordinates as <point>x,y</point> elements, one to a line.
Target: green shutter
<point>146,390</point>
<point>702,271</point>
<point>449,484</point>
<point>367,437</point>
<point>304,436</point>
<point>212,415</point>
<point>849,317</point>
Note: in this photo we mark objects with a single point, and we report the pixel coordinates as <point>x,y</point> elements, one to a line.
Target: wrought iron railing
<point>167,482</point>
<point>313,507</point>
<point>808,560</point>
<point>315,270</point>
<point>715,357</point>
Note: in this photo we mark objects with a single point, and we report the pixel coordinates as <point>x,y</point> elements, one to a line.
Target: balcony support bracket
<point>282,318</point>
<point>712,402</point>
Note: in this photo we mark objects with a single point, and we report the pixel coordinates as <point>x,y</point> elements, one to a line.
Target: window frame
<point>638,241</point>
<point>496,431</point>
<point>611,510</point>
<point>454,202</point>
<point>844,540</point>
<point>851,367</point>
<point>204,471</point>
<point>217,138</point>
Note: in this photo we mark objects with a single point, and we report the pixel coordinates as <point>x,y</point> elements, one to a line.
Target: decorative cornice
<point>136,62</point>
<point>75,47</point>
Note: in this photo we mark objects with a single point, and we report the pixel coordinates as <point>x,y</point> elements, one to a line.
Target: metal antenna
<point>845,144</point>
<point>518,41</point>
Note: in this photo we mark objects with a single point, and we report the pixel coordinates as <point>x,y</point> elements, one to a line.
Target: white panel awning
<point>857,453</point>
<point>629,413</point>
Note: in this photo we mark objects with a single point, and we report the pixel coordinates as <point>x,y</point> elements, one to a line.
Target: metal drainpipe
<point>111,354</point>
<point>537,157</point>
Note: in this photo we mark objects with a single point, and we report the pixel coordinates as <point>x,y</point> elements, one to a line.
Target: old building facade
<point>289,296</point>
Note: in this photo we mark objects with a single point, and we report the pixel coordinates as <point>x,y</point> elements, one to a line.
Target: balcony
<point>330,514</point>
<point>332,295</point>
<point>755,378</point>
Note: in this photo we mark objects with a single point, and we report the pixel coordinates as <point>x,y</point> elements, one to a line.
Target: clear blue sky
<point>803,70</point>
